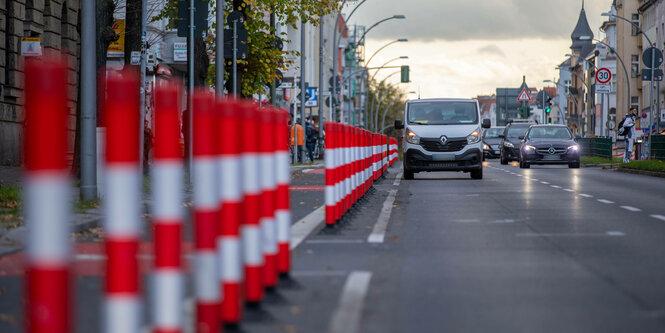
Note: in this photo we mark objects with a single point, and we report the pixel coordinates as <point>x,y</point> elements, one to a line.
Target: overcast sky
<point>463,48</point>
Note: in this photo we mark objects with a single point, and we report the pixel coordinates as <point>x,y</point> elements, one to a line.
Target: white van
<point>442,135</point>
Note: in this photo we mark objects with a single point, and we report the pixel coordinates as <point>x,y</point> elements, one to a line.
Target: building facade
<point>629,48</point>
<point>27,28</point>
<point>653,24</point>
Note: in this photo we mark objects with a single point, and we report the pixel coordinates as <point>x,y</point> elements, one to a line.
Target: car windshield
<point>442,113</point>
<point>493,133</point>
<point>550,133</point>
<point>516,131</point>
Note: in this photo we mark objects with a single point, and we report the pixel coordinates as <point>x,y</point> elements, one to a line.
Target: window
<point>634,101</point>
<point>442,113</point>
<point>634,65</point>
<point>636,23</point>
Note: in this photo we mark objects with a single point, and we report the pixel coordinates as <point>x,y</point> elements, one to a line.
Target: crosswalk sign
<point>524,96</point>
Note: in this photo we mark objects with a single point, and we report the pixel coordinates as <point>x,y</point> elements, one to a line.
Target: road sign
<point>603,75</point>
<point>200,18</point>
<point>645,115</point>
<point>135,58</point>
<point>603,88</point>
<point>524,96</point>
<point>313,100</point>
<point>646,74</point>
<point>646,57</point>
<point>179,51</point>
<point>31,47</point>
<point>610,124</point>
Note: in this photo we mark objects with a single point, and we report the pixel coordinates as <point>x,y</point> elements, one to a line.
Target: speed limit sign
<point>603,75</point>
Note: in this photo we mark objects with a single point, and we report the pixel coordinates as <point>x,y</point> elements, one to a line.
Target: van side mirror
<point>487,123</point>
<point>399,124</point>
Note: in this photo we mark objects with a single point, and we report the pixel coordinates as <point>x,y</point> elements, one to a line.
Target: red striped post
<point>283,200</point>
<point>384,145</point>
<point>268,196</point>
<point>251,230</point>
<point>347,168</point>
<point>229,245</point>
<point>377,155</point>
<point>356,163</point>
<point>122,224</point>
<point>330,164</point>
<point>167,188</point>
<point>339,165</point>
<point>47,196</point>
<point>206,210</point>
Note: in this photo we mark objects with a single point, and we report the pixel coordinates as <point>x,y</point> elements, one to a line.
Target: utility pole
<point>319,98</point>
<point>144,50</point>
<point>653,65</point>
<point>303,58</point>
<point>273,26</point>
<point>88,102</point>
<point>219,48</point>
<point>190,93</point>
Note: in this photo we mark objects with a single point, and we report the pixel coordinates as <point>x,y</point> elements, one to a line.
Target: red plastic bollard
<point>250,228</point>
<point>122,224</point>
<point>47,286</point>
<point>206,211</point>
<point>330,173</point>
<point>268,195</point>
<point>229,245</point>
<point>338,169</point>
<point>167,183</point>
<point>283,200</point>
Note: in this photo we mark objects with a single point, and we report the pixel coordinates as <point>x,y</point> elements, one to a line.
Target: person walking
<point>297,141</point>
<point>310,134</point>
<point>629,133</point>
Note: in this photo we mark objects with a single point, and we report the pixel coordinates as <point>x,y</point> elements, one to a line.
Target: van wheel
<point>408,174</point>
<point>477,174</point>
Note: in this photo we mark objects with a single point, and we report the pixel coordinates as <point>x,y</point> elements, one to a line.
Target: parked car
<point>511,142</point>
<point>442,135</point>
<point>492,142</point>
<point>549,144</point>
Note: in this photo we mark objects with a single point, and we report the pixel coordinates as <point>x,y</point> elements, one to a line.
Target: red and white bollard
<point>122,224</point>
<point>251,229</point>
<point>229,244</point>
<point>167,188</point>
<point>206,209</point>
<point>283,202</point>
<point>268,195</point>
<point>47,196</point>
<point>330,165</point>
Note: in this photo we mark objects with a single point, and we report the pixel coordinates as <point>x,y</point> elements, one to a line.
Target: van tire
<point>477,174</point>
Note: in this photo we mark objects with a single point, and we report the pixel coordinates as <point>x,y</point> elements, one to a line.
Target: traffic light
<point>549,121</point>
<point>525,111</point>
<point>405,74</point>
<point>548,106</point>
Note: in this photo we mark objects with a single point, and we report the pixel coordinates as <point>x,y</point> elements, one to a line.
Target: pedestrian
<point>297,134</point>
<point>310,134</point>
<point>629,133</point>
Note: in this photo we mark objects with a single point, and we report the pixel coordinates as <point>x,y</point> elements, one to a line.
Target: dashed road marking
<point>555,186</point>
<point>605,201</point>
<point>301,229</point>
<point>545,183</point>
<point>585,195</point>
<point>335,241</point>
<point>631,208</point>
<point>568,190</point>
<point>379,232</point>
<point>346,318</point>
<point>658,217</point>
<point>605,234</point>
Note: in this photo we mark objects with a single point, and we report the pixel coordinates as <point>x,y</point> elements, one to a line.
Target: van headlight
<point>412,137</point>
<point>474,137</point>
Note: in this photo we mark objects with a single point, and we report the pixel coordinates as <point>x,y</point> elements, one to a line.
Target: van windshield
<point>442,113</point>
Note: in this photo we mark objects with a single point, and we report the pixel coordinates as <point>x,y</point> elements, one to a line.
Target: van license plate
<point>443,157</point>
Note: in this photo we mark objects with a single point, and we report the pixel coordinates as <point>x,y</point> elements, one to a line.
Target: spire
<point>582,4</point>
<point>582,35</point>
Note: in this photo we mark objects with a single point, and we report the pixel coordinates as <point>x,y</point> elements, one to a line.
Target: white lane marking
<point>335,241</point>
<point>631,208</point>
<point>658,217</point>
<point>379,232</point>
<point>555,186</point>
<point>502,221</point>
<point>467,221</point>
<point>535,180</point>
<point>545,183</point>
<point>608,233</point>
<point>346,318</point>
<point>301,229</point>
<point>518,175</point>
<point>605,201</point>
<point>318,273</point>
<point>585,195</point>
<point>568,190</point>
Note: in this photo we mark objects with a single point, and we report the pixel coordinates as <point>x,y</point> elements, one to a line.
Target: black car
<point>492,142</point>
<point>511,142</point>
<point>549,144</point>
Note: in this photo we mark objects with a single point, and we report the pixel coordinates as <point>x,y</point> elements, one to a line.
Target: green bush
<point>657,166</point>
<point>598,160</point>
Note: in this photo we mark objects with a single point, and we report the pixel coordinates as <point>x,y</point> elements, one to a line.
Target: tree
<point>264,60</point>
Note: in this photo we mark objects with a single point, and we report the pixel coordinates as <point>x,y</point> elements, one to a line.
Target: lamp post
<point>651,84</point>
<point>394,17</point>
<point>383,122</point>
<point>386,64</point>
<point>401,40</point>
<point>557,83</point>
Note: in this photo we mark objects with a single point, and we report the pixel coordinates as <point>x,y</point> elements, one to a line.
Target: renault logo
<point>444,139</point>
<point>551,150</point>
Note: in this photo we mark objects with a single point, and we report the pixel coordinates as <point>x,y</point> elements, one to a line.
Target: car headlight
<point>412,137</point>
<point>508,144</point>
<point>486,147</point>
<point>574,148</point>
<point>529,148</point>
<point>474,137</point>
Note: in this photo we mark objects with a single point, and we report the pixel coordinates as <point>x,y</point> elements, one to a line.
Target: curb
<point>642,172</point>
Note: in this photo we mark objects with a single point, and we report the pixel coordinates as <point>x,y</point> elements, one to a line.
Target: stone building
<point>53,24</point>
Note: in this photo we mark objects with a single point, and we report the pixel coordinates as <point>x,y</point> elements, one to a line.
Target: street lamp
<point>394,17</point>
<point>653,65</point>
<point>375,111</point>
<point>386,64</point>
<point>401,40</point>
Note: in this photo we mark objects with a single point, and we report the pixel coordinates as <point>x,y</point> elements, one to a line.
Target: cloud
<point>492,50</point>
<point>454,20</point>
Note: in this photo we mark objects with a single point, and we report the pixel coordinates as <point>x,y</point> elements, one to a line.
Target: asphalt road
<point>546,249</point>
